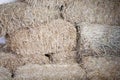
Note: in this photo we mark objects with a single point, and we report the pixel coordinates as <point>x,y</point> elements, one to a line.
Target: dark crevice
<point>61,15</point>
<point>50,56</point>
<point>12,74</point>
<point>61,8</point>
<point>79,54</point>
<point>78,42</point>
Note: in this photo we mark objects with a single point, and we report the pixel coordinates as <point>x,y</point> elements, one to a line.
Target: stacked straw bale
<point>93,11</point>
<point>19,14</point>
<point>45,37</point>
<point>55,37</point>
<point>102,68</point>
<point>99,39</point>
<point>50,72</point>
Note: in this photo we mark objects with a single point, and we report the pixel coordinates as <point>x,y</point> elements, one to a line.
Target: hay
<point>50,72</point>
<point>35,59</point>
<point>50,58</point>
<point>102,68</point>
<point>51,4</point>
<point>53,37</point>
<point>93,11</point>
<point>9,61</point>
<point>5,74</point>
<point>19,14</point>
<point>99,39</point>
<point>64,58</point>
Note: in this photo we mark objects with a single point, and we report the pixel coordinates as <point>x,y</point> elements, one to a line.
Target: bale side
<point>93,11</point>
<point>16,15</point>
<point>54,37</point>
<point>50,72</point>
<point>99,39</point>
<point>102,68</point>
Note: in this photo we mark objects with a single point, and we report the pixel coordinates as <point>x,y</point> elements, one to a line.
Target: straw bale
<point>50,72</point>
<point>9,61</point>
<point>93,11</point>
<point>5,74</point>
<point>99,39</point>
<point>102,68</point>
<point>53,37</point>
<point>19,14</point>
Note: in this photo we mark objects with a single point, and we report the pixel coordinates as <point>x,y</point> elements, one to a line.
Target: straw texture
<point>5,74</point>
<point>93,11</point>
<point>13,16</point>
<point>102,68</point>
<point>99,39</point>
<point>53,37</point>
<point>49,72</point>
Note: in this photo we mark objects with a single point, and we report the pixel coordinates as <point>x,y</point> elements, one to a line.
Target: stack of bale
<point>36,35</point>
<point>98,42</point>
<point>61,39</point>
<point>13,16</point>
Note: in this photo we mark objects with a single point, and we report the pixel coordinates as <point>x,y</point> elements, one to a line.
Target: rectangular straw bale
<point>93,11</point>
<point>99,39</point>
<point>102,68</point>
<point>50,72</point>
<point>53,37</point>
<point>19,14</point>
